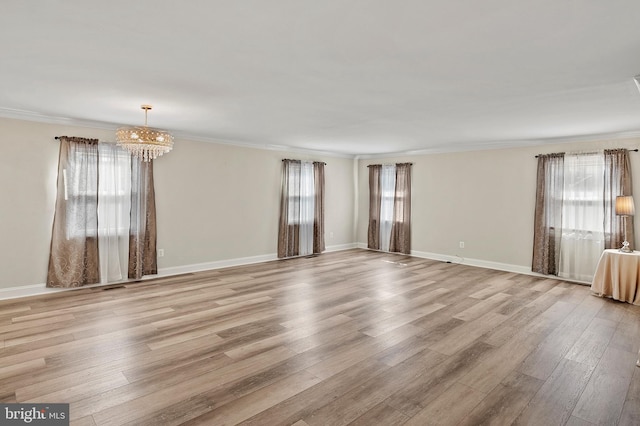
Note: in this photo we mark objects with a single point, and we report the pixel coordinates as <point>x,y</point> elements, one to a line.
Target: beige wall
<point>220,202</point>
<point>214,202</point>
<point>484,198</point>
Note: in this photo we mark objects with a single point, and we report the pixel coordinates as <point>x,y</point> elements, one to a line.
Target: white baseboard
<point>216,264</point>
<point>341,247</point>
<point>507,267</point>
<point>26,290</point>
<point>37,289</point>
<point>474,262</point>
<point>470,262</point>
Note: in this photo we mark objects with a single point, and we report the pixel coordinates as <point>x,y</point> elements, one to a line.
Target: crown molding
<point>103,125</point>
<point>19,114</point>
<point>441,149</point>
<point>267,147</point>
<point>516,143</point>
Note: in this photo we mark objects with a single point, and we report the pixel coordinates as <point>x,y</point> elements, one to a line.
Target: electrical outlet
<point>461,244</point>
<point>160,252</point>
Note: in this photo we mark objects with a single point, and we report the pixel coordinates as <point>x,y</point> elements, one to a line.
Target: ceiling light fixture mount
<point>145,143</point>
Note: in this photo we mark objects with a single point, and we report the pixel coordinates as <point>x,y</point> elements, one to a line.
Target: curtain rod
<point>77,139</point>
<point>289,159</point>
<point>630,150</point>
<point>411,164</point>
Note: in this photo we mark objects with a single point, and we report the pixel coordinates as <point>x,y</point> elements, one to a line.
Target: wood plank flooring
<point>353,337</point>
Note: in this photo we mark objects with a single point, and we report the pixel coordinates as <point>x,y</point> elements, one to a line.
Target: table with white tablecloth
<point>618,276</point>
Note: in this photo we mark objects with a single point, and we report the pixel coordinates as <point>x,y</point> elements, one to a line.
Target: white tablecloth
<point>617,276</point>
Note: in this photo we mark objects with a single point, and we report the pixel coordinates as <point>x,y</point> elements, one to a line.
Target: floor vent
<point>113,287</point>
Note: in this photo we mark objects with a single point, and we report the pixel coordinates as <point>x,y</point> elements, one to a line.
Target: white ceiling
<point>344,76</point>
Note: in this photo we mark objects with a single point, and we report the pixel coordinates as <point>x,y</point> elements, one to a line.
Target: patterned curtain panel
<point>617,181</point>
<point>73,259</point>
<point>288,230</point>
<point>375,199</point>
<point>401,226</point>
<point>547,231</point>
<point>143,258</point>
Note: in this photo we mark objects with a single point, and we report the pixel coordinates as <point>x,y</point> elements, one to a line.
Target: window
<point>301,222</point>
<point>301,194</point>
<point>583,202</point>
<point>114,189</point>
<point>575,216</point>
<point>92,227</point>
<point>390,207</point>
<point>301,203</point>
<point>111,192</point>
<point>79,178</point>
<point>106,199</point>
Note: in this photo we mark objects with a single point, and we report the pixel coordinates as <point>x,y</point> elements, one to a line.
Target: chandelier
<point>145,143</point>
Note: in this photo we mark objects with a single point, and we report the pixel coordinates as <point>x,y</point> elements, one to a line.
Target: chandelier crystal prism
<point>145,143</point>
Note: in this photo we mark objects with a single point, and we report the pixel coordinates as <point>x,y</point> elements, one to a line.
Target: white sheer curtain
<point>307,206</point>
<point>583,239</point>
<point>387,191</point>
<point>114,206</point>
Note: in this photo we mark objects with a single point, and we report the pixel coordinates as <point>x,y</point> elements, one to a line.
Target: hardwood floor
<point>353,337</point>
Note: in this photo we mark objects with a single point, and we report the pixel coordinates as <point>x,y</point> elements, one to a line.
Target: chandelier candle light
<point>145,143</point>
